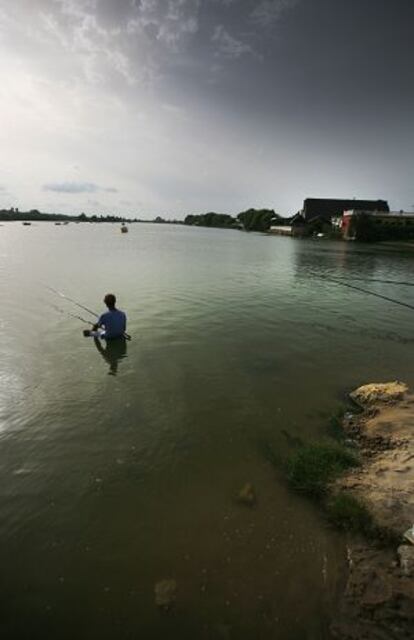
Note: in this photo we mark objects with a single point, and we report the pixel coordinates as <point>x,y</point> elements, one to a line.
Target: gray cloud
<point>147,92</point>
<point>167,21</point>
<point>228,46</point>
<point>267,12</point>
<point>79,31</point>
<point>76,187</point>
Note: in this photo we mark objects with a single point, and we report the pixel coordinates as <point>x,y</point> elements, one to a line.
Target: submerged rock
<point>165,593</point>
<point>247,495</point>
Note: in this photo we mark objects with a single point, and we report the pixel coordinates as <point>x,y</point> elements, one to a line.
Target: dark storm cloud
<point>266,13</point>
<point>279,98</point>
<point>141,40</point>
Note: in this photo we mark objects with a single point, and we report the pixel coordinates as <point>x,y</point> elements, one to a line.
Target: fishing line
<point>402,282</point>
<point>72,315</point>
<point>372,293</point>
<point>81,306</point>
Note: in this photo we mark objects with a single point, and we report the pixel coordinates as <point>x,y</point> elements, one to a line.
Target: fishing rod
<point>372,293</point>
<point>81,306</point>
<point>72,315</point>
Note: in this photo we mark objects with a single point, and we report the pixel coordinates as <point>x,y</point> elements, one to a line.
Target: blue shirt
<point>114,322</point>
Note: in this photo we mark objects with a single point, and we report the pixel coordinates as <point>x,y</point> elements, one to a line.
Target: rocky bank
<point>378,599</point>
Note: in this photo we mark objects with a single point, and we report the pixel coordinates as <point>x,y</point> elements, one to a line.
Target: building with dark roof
<point>328,208</point>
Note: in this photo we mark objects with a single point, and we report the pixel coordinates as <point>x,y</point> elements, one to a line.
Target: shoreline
<point>378,598</point>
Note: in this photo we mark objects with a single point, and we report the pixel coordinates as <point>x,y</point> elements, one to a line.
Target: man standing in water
<point>112,321</point>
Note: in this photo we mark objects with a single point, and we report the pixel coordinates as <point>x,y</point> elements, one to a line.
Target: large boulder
<point>379,393</point>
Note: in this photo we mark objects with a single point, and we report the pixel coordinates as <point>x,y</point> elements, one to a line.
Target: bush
<point>311,468</point>
<point>334,427</point>
<point>257,219</point>
<point>210,219</point>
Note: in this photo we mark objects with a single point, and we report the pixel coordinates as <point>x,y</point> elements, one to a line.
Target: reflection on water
<point>111,483</point>
<point>112,352</point>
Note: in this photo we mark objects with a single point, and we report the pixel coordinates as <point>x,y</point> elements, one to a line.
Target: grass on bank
<point>348,513</point>
<point>311,468</point>
<point>334,427</point>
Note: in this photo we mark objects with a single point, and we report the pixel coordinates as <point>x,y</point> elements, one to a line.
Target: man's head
<point>110,300</point>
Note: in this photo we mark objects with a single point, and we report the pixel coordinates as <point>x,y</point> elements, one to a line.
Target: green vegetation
<point>365,228</point>
<point>334,428</point>
<point>211,219</point>
<point>258,219</point>
<point>94,218</point>
<point>34,215</point>
<point>250,220</point>
<point>311,468</point>
<point>348,513</point>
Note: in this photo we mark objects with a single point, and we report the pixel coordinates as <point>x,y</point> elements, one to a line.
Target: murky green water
<point>110,483</point>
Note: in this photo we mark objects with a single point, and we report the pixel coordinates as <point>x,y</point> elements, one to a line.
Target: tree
<point>211,219</point>
<point>364,229</point>
<point>258,219</point>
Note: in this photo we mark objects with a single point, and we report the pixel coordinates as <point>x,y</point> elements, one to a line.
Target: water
<point>120,469</point>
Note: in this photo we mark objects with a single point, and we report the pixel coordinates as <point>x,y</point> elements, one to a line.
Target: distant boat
<point>124,228</point>
<point>58,223</point>
<point>26,224</point>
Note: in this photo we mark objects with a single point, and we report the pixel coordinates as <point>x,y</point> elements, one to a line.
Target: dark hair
<point>110,300</point>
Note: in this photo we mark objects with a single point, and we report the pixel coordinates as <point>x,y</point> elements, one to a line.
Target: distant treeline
<point>36,215</point>
<point>250,220</point>
<point>33,214</point>
<point>211,219</point>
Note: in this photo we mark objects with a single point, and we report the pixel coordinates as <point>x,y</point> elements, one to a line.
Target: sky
<point>142,108</point>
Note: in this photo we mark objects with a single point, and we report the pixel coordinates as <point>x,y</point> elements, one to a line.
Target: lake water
<point>120,469</point>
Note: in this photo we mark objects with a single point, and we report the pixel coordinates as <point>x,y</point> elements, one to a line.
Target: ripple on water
<point>115,482</point>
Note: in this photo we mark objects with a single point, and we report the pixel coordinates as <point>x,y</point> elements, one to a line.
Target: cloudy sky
<point>147,107</point>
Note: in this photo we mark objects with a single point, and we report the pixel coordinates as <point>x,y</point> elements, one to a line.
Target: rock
<point>165,593</point>
<point>247,495</point>
<point>406,556</point>
<point>377,589</point>
<point>379,392</point>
